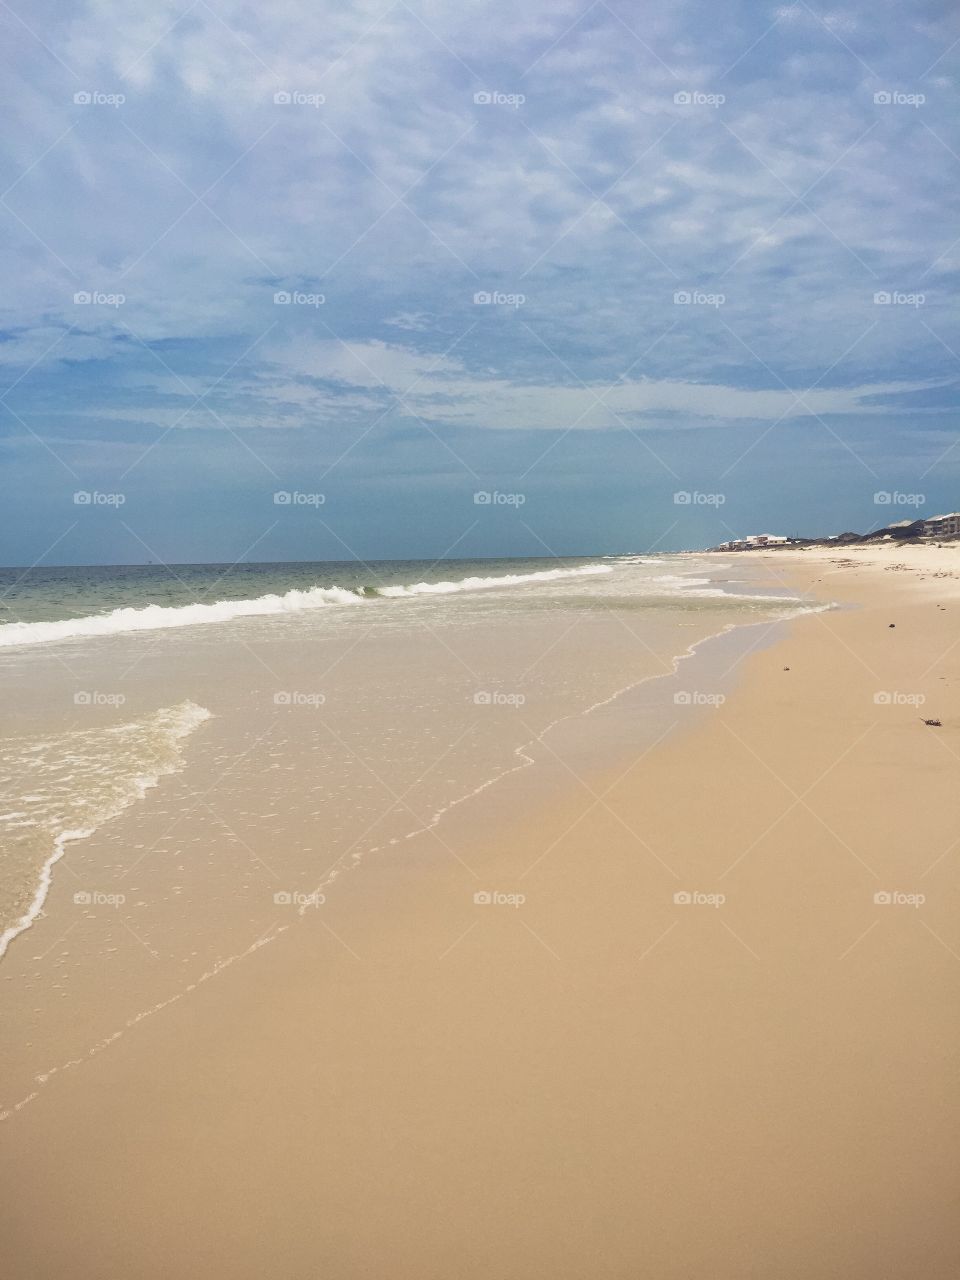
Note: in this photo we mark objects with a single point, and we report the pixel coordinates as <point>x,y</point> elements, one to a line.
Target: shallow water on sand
<point>206,783</point>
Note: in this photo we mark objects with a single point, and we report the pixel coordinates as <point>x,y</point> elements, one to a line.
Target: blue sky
<point>719,245</point>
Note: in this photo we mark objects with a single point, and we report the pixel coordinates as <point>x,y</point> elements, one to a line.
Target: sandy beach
<point>687,1014</point>
<point>480,641</point>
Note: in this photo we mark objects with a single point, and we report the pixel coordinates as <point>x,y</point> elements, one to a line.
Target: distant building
<point>944,527</point>
<point>754,540</point>
<point>947,526</point>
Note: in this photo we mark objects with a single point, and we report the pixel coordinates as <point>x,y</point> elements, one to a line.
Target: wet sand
<point>683,1038</point>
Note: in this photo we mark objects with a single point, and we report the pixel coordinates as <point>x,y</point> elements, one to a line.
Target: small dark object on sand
<point>786,668</point>
<point>937,724</point>
<point>893,624</point>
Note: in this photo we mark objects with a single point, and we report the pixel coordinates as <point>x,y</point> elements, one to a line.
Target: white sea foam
<point>134,758</point>
<point>480,584</point>
<point>681,580</point>
<point>635,559</point>
<point>705,589</point>
<point>714,593</point>
<point>155,617</point>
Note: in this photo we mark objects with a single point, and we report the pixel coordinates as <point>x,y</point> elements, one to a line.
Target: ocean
<point>275,722</point>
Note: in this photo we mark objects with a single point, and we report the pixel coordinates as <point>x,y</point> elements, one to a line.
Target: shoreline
<point>701,655</point>
<point>140,786</point>
<point>601,1075</point>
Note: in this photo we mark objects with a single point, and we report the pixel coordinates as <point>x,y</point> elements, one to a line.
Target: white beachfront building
<point>947,526</point>
<point>754,540</point>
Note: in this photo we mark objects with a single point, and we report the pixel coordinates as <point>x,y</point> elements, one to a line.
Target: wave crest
<point>480,584</point>
<point>156,617</point>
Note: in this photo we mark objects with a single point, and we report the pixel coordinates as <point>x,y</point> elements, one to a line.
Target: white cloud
<point>501,198</point>
<point>415,321</point>
<point>444,391</point>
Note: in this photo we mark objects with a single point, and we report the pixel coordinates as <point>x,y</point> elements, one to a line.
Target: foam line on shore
<point>354,857</point>
<point>175,724</point>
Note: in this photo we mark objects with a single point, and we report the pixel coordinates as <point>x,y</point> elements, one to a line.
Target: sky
<point>315,280</point>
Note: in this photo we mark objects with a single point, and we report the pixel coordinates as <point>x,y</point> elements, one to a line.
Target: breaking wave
<point>155,617</point>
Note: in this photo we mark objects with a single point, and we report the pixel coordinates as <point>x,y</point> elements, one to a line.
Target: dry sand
<point>599,1082</point>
